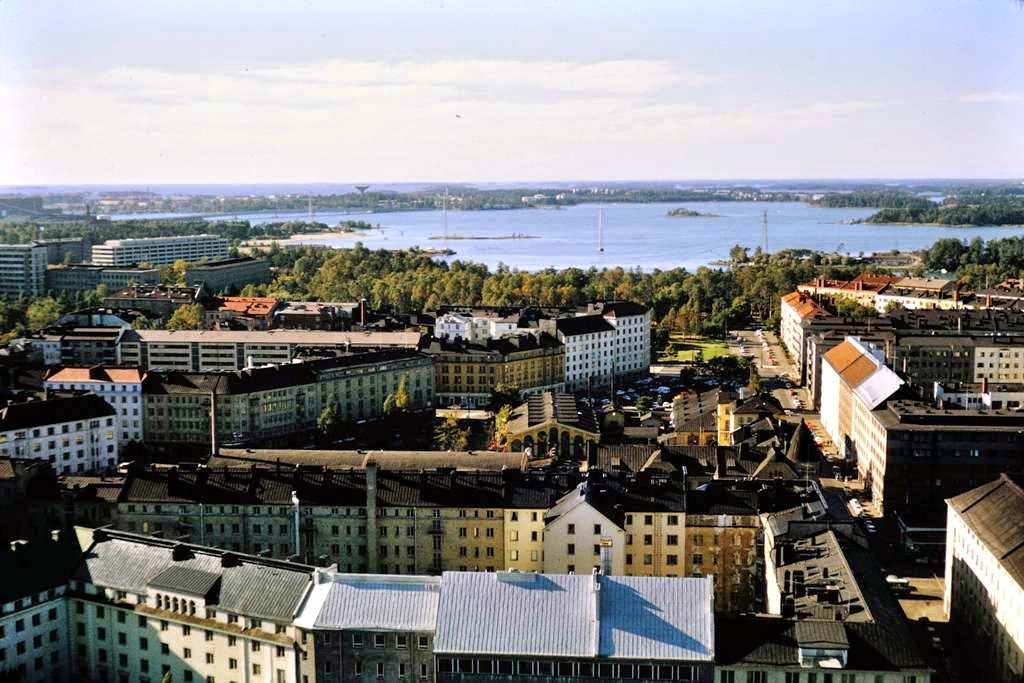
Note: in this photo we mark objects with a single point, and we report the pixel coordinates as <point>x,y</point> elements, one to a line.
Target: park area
<point>686,349</point>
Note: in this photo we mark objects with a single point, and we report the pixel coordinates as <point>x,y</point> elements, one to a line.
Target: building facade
<point>796,308</point>
<point>87,277</point>
<point>121,388</point>
<point>22,269</point>
<point>74,434</point>
<point>216,276</point>
<point>159,250</point>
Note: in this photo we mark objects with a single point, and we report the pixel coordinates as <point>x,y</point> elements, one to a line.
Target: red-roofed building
<point>797,307</point>
<point>254,312</point>
<point>861,289</point>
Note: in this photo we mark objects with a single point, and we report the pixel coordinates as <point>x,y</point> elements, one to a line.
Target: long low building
<point>264,403</point>
<point>205,350</point>
<point>159,250</point>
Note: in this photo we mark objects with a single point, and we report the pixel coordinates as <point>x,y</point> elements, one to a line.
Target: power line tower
<point>764,232</point>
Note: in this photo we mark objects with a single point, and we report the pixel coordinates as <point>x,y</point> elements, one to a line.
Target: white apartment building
<point>121,388</point>
<point>984,581</point>
<point>22,269</point>
<point>589,342</point>
<point>75,434</point>
<point>631,349</point>
<point>576,533</point>
<point>1004,364</point>
<point>795,308</point>
<point>159,250</point>
<point>474,328</point>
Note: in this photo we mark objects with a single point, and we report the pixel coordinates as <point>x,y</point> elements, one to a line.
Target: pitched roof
<point>995,512</point>
<point>576,616</point>
<point>96,373</point>
<point>804,306</point>
<point>53,411</point>
<point>389,460</point>
<point>372,602</point>
<point>549,406</point>
<point>869,378</point>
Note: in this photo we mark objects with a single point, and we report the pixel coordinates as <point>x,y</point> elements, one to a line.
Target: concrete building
<point>61,249</point>
<point>982,395</point>
<point>89,345</point>
<point>84,277</point>
<point>216,276</point>
<point>596,628</point>
<point>74,434</point>
<point>984,579</point>
<point>22,269</point>
<point>212,350</point>
<point>589,342</point>
<point>860,290</point>
<point>919,292</point>
<point>554,422</point>
<point>159,250</point>
<point>631,344</point>
<point>320,315</point>
<point>467,374</point>
<point>121,388</point>
<point>796,308</point>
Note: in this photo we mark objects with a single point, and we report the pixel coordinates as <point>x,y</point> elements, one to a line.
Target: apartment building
<point>476,326</point>
<point>984,578</point>
<point>596,627</point>
<point>159,250</point>
<point>983,395</point>
<point>796,308</point>
<point>468,374</point>
<point>74,434</point>
<point>631,344</point>
<point>919,292</point>
<point>860,290</point>
<point>217,276</point>
<point>248,312</point>
<point>259,404</point>
<point>141,607</point>
<point>22,269</point>
<point>320,315</point>
<point>212,350</point>
<point>121,388</point>
<point>86,277</point>
<point>158,300</point>
<point>589,342</point>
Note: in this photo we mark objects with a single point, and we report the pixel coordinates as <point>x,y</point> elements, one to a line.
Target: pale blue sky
<point>210,91</point>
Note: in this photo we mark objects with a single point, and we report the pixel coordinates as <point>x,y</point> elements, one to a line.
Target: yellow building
<point>467,374</point>
<point>554,422</point>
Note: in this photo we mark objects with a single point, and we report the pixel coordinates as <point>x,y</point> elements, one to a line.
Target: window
<point>422,642</point>
<point>186,653</point>
<point>380,669</point>
<point>571,529</point>
<point>727,677</point>
<point>571,549</point>
<point>401,641</point>
<point>379,640</point>
<point>232,663</point>
<point>209,658</point>
<point>757,677</point>
<point>357,640</point>
<point>597,529</point>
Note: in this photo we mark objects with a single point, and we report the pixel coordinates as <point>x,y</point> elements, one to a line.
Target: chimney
<point>984,385</point>
<point>371,516</point>
<point>362,311</point>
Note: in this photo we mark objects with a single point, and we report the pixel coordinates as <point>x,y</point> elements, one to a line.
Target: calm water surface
<point>635,235</point>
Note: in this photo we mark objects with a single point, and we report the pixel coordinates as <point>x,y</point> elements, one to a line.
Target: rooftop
<point>553,407</point>
<point>995,512</point>
<point>53,411</point>
<point>583,324</point>
<point>388,460</point>
<point>576,616</point>
<point>408,339</point>
<point>804,305</point>
<point>372,602</point>
<point>95,374</point>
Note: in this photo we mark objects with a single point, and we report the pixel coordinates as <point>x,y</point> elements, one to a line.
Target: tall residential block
<point>159,250</point>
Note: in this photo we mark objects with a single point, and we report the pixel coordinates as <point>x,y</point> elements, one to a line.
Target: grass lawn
<point>683,349</point>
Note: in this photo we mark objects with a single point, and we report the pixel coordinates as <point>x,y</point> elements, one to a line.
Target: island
<point>689,213</point>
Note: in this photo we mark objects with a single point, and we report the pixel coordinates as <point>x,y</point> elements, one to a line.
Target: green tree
<point>42,313</point>
<point>499,440</point>
<point>448,436</point>
<point>190,317</point>
<point>754,383</point>
<point>504,394</point>
<point>329,420</point>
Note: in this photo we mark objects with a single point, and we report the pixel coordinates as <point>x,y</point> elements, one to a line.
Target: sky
<point>380,91</point>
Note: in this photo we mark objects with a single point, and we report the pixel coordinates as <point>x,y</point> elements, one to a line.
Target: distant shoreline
<point>485,237</point>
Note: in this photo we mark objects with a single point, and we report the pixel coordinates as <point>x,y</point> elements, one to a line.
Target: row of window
<point>568,669</point>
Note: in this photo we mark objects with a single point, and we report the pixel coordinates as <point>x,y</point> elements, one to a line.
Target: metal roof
<point>188,580</point>
<point>372,602</point>
<point>566,615</point>
<point>995,512</point>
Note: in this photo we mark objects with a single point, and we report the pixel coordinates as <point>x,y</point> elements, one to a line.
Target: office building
<point>217,276</point>
<point>159,250</point>
<point>22,269</point>
<point>984,579</point>
<point>212,350</point>
<point>64,249</point>
<point>85,277</point>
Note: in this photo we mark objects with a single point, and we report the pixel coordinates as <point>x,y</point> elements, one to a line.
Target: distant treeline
<point>953,214</point>
<point>888,199</point>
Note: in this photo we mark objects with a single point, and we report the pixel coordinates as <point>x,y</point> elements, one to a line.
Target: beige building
<point>984,579</point>
<point>795,308</point>
<point>554,422</point>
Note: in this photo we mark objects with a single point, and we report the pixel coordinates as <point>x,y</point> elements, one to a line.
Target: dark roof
<point>388,460</point>
<point>583,324</point>
<point>35,565</point>
<point>620,308</point>
<point>761,404</point>
<point>188,580</point>
<point>516,342</point>
<point>565,409</point>
<point>752,641</point>
<point>53,411</point>
<point>995,512</point>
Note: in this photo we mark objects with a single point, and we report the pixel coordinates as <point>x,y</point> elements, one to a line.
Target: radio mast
<point>600,230</point>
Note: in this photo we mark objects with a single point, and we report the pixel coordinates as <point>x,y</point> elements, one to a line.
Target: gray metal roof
<point>657,618</point>
<point>260,588</point>
<point>187,580</point>
<point>372,602</point>
<point>576,616</point>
